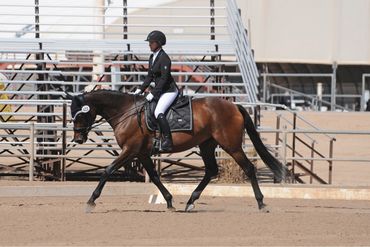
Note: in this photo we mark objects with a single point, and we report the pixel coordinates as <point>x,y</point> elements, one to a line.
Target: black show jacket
<point>160,73</point>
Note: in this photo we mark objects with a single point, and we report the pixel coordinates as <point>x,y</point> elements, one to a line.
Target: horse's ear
<point>80,99</point>
<point>67,95</point>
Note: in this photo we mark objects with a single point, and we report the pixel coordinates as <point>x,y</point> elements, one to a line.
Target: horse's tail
<point>275,165</point>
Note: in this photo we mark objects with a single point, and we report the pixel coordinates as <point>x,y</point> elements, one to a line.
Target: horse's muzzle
<point>79,139</point>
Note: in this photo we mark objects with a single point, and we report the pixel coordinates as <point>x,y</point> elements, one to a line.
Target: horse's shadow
<point>156,211</point>
<point>128,211</point>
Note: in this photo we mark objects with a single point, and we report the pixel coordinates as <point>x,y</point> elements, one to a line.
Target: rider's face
<point>154,46</point>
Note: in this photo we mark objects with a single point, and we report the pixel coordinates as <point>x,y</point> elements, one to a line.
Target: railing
<point>24,145</point>
<point>27,146</point>
<point>106,20</point>
<point>102,148</point>
<point>316,99</point>
<point>21,154</point>
<point>297,153</point>
<point>247,65</point>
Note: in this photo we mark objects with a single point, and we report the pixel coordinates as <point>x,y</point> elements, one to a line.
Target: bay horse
<point>215,122</point>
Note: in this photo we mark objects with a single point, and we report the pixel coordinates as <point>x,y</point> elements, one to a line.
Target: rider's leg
<point>166,144</point>
<point>163,104</point>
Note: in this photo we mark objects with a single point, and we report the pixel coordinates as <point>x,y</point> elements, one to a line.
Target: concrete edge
<point>288,192</point>
<point>126,189</point>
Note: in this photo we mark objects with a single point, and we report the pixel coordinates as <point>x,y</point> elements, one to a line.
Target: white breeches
<point>164,103</point>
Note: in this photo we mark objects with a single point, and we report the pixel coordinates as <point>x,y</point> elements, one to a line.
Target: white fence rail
<point>243,51</point>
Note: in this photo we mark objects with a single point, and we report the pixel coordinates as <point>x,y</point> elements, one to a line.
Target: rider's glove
<point>149,97</point>
<point>137,91</point>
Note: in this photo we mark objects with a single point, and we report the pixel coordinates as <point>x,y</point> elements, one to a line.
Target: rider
<point>165,90</point>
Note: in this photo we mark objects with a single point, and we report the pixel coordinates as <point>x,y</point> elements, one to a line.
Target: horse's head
<point>83,117</point>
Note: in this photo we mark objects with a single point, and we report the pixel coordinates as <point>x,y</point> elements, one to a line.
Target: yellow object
<point>4,107</point>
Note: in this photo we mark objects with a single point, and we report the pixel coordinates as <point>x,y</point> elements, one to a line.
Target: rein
<point>136,107</point>
<point>92,126</point>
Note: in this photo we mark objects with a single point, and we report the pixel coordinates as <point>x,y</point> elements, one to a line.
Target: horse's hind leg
<point>249,169</point>
<point>207,151</point>
<point>149,167</point>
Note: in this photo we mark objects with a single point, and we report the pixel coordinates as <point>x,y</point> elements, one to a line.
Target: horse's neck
<point>111,106</point>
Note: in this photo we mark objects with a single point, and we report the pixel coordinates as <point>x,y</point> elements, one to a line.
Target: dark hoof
<point>189,207</point>
<point>90,207</point>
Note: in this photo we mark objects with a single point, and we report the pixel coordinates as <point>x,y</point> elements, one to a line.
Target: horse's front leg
<point>121,160</point>
<point>149,167</point>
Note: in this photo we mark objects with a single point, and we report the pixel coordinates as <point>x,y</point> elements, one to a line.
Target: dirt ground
<point>50,221</point>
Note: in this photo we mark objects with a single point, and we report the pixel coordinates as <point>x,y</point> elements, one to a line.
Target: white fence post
<point>116,77</point>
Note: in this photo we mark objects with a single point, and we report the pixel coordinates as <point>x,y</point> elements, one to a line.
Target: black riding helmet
<point>157,36</point>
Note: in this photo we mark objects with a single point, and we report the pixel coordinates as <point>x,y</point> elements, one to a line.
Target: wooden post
<point>330,161</point>
<point>32,147</point>
<point>311,162</point>
<point>285,135</point>
<point>277,137</point>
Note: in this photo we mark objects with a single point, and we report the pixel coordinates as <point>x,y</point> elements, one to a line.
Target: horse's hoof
<point>90,207</point>
<point>171,209</point>
<point>263,209</point>
<point>189,207</point>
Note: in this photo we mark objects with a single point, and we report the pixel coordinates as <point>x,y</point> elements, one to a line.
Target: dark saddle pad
<point>179,116</point>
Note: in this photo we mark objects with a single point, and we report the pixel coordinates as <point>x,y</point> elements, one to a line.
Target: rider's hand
<point>137,91</point>
<point>149,97</point>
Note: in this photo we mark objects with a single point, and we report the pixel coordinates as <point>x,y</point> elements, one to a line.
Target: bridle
<point>85,109</point>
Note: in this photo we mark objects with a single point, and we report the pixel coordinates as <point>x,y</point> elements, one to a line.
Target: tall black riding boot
<point>166,133</point>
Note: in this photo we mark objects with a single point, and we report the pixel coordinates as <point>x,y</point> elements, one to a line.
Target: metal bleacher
<point>52,47</point>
